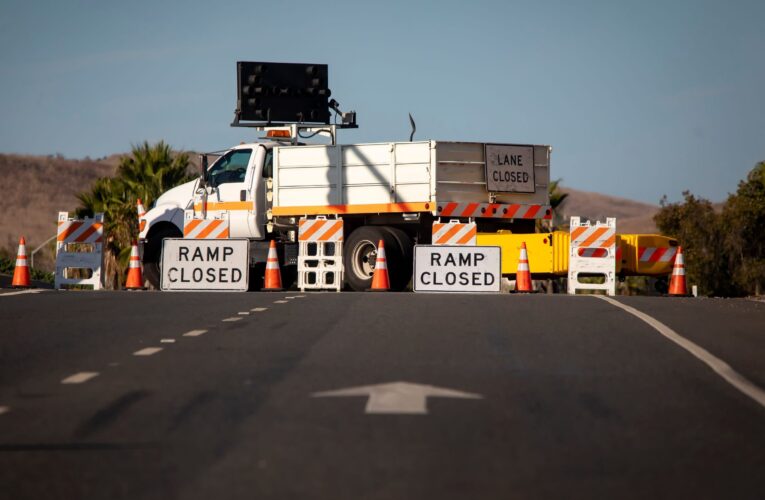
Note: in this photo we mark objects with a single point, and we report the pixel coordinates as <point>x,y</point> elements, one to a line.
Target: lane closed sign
<point>205,265</point>
<point>439,268</point>
<point>509,169</point>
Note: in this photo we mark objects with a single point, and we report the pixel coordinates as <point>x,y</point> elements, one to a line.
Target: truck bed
<point>444,178</point>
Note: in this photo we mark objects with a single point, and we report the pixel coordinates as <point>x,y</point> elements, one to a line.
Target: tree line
<point>724,247</point>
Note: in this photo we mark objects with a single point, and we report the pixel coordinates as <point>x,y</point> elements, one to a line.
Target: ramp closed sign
<point>439,268</point>
<point>205,265</point>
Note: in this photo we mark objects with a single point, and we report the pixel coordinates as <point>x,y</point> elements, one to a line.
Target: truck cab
<point>234,186</point>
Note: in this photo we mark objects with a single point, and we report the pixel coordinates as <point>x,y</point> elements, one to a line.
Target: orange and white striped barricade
<point>79,251</point>
<point>211,228</point>
<point>592,252</point>
<point>454,232</point>
<point>320,254</point>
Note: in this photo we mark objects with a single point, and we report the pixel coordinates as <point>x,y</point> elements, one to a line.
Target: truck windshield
<point>231,167</point>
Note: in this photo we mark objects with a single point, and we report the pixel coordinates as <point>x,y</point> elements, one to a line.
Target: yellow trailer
<point>637,254</point>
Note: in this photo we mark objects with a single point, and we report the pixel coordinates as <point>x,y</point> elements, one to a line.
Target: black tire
<point>360,251</point>
<point>257,274</point>
<point>401,274</point>
<point>152,251</point>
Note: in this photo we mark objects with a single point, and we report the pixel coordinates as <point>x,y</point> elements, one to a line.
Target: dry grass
<point>36,189</point>
<point>631,216</point>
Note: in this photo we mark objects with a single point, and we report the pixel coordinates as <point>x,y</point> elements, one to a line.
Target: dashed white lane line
<point>258,309</point>
<point>232,319</point>
<point>79,378</point>
<point>147,351</point>
<point>290,298</point>
<point>4,409</point>
<point>281,301</point>
<point>20,292</point>
<point>244,313</point>
<point>195,333</point>
<point>167,341</point>
<point>299,296</point>
<point>719,366</point>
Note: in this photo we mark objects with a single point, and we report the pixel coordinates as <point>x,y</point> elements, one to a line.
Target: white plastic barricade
<point>320,256</point>
<point>79,251</point>
<point>216,228</point>
<point>454,232</point>
<point>592,254</point>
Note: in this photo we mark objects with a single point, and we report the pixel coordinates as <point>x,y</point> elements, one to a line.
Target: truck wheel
<point>152,251</point>
<point>401,274</point>
<point>360,253</point>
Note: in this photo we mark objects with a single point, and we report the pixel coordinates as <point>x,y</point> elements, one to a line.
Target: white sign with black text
<point>509,169</point>
<point>439,268</point>
<point>205,265</point>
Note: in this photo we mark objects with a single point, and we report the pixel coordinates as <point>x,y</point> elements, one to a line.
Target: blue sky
<point>638,99</point>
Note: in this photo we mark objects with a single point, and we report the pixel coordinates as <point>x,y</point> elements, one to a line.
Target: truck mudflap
<point>637,254</point>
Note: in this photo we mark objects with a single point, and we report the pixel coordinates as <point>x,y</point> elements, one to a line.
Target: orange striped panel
<point>317,224</point>
<point>470,235</point>
<point>451,232</point>
<point>211,226</point>
<point>190,226</point>
<point>71,229</point>
<point>593,237</point>
<point>85,234</point>
<point>577,232</point>
<point>331,231</point>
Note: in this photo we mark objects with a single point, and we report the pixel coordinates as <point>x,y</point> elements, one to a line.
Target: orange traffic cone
<point>523,275</point>
<point>21,271</point>
<point>677,282</point>
<point>380,281</point>
<point>273,279</point>
<point>134,277</point>
<point>139,208</point>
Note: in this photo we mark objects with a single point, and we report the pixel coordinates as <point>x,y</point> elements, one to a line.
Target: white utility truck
<point>391,191</point>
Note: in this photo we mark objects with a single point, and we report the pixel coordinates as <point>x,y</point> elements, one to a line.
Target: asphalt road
<point>566,397</point>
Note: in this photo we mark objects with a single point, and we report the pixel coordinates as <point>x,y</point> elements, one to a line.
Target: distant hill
<point>38,187</point>
<point>631,216</point>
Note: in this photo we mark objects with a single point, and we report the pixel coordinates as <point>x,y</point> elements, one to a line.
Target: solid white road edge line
<point>195,333</point>
<point>147,351</point>
<point>79,378</point>
<point>719,366</point>
<point>19,293</point>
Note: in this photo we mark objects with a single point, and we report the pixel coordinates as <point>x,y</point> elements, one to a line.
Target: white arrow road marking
<point>719,366</point>
<point>398,397</point>
<point>79,378</point>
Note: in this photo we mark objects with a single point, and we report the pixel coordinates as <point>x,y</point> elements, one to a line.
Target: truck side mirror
<point>203,166</point>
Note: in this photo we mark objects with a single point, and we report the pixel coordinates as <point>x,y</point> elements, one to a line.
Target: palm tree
<point>146,173</point>
<point>557,197</point>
